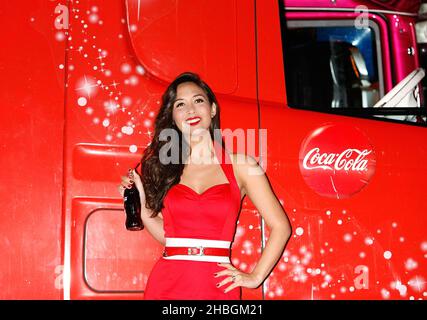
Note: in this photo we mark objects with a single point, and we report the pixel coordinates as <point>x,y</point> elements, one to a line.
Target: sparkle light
<point>369,241</point>
<point>87,85</point>
<point>299,231</point>
<point>114,84</point>
<point>347,237</point>
<point>397,285</point>
<point>82,101</point>
<point>133,80</point>
<point>417,283</point>
<point>385,293</point>
<point>93,18</point>
<point>60,36</point>
<point>127,130</point>
<point>111,106</point>
<point>125,68</point>
<point>411,264</point>
<point>140,70</point>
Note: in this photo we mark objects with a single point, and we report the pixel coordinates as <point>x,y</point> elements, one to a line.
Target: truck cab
<point>332,92</point>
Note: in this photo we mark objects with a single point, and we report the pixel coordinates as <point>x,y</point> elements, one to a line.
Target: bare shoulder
<point>244,166</point>
<point>255,184</point>
<point>243,161</point>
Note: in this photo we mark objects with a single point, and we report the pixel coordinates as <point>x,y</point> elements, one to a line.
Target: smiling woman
<point>192,107</point>
<point>192,206</point>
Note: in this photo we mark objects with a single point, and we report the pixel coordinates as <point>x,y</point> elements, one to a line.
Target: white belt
<point>193,242</point>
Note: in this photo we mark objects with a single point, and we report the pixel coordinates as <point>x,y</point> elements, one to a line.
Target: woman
<point>192,205</point>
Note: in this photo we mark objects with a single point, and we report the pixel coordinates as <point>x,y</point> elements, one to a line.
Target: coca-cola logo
<point>337,160</point>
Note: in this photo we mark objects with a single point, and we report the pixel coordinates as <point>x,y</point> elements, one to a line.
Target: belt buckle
<point>191,251</point>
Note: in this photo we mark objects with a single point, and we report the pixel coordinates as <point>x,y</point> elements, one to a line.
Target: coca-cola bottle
<point>132,204</point>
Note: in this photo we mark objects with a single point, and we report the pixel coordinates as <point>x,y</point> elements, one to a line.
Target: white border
<point>351,10</point>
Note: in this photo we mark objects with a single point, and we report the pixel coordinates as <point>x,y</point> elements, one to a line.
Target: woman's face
<point>191,109</point>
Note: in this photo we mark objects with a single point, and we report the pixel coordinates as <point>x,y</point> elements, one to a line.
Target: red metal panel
<point>160,34</point>
<point>376,236</point>
<point>118,67</point>
<point>31,125</point>
<point>107,262</point>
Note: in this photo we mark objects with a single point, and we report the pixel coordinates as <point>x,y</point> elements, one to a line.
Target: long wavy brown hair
<point>158,178</point>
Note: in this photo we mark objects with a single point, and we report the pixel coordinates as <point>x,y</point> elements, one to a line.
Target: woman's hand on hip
<point>241,279</point>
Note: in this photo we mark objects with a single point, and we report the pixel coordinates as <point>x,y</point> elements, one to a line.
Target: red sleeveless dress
<point>211,215</point>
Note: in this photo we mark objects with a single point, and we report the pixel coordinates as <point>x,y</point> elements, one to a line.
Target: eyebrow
<point>199,94</point>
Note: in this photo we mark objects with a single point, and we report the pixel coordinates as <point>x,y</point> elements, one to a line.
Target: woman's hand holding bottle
<point>132,191</point>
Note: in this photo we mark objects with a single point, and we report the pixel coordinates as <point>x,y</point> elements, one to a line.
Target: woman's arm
<point>153,225</point>
<point>255,184</point>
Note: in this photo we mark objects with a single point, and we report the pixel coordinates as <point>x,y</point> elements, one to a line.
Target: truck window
<point>334,66</point>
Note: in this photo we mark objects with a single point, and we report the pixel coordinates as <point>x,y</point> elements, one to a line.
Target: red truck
<point>331,90</point>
